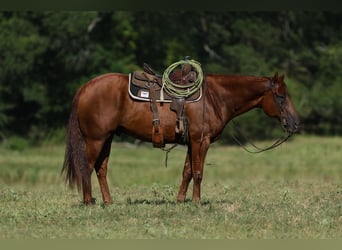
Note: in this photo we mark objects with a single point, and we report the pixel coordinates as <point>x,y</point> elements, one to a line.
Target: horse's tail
<point>75,164</point>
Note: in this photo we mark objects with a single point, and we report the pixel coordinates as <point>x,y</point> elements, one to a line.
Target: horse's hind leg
<point>86,187</point>
<point>101,170</point>
<point>93,149</point>
<point>96,158</point>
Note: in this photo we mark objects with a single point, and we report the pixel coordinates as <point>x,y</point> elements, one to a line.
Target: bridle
<point>279,100</point>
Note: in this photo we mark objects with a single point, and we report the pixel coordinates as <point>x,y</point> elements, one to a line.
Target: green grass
<point>294,191</point>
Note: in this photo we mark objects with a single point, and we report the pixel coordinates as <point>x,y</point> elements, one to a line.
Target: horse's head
<point>277,103</point>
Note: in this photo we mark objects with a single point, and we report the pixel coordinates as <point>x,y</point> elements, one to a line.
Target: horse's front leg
<point>187,175</point>
<point>198,154</point>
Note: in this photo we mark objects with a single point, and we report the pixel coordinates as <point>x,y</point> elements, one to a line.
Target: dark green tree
<point>46,56</point>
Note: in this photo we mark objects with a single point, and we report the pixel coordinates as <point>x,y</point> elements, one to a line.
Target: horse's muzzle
<point>291,125</point>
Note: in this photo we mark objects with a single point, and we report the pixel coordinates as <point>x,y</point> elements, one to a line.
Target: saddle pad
<point>138,89</point>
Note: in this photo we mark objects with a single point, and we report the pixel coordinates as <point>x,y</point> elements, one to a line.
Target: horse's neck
<point>236,94</point>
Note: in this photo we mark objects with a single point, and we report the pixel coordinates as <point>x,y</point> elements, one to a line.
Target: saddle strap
<point>154,106</point>
<point>157,133</point>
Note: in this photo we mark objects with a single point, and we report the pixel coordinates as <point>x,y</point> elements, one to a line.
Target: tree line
<point>46,56</point>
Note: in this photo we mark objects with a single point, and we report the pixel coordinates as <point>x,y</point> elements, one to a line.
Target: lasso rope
<point>181,90</point>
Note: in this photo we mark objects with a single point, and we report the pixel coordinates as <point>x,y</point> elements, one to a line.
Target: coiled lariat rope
<point>181,90</point>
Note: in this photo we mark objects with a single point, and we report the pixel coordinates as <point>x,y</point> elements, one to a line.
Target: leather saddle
<point>147,86</point>
<point>141,81</point>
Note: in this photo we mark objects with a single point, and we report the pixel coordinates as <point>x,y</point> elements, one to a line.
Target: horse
<point>102,108</point>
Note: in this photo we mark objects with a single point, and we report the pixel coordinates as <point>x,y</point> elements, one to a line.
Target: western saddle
<point>147,85</point>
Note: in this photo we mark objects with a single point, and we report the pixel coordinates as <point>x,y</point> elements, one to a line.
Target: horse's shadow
<point>174,203</point>
<point>161,201</point>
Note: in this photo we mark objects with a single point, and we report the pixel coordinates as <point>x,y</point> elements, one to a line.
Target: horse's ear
<point>275,77</point>
<point>281,90</point>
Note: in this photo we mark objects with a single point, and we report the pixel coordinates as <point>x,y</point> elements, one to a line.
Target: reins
<point>203,108</point>
<point>167,151</point>
<point>277,143</point>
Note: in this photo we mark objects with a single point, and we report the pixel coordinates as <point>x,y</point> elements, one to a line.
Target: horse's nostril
<point>284,122</point>
<point>296,127</point>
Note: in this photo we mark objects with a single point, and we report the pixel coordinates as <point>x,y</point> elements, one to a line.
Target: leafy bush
<point>16,143</point>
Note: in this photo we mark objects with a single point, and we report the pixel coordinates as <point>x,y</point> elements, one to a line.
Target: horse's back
<point>103,86</point>
<point>109,80</point>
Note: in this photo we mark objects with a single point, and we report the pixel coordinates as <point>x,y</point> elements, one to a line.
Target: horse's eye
<point>280,98</point>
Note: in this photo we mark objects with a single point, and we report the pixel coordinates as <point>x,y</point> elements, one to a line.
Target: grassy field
<point>292,192</point>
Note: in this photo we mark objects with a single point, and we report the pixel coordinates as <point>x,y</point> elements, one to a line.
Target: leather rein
<point>257,150</point>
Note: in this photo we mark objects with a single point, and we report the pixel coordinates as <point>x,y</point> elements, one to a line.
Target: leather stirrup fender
<point>157,132</point>
<point>157,136</point>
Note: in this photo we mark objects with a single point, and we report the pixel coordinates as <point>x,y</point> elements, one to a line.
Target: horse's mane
<point>246,78</point>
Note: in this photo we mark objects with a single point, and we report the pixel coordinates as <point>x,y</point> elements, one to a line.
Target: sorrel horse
<point>103,107</point>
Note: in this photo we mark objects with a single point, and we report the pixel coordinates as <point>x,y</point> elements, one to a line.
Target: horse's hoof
<point>181,199</point>
<point>91,202</point>
<point>107,203</point>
